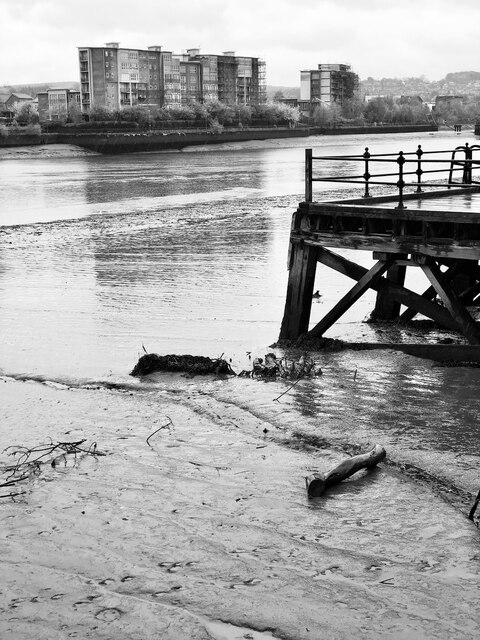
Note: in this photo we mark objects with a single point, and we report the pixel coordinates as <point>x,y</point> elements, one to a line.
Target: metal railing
<point>416,159</point>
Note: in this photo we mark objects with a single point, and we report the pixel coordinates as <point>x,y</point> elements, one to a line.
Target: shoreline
<point>112,142</point>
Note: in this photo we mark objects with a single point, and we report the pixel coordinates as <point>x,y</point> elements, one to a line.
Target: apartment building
<point>330,83</point>
<point>57,104</point>
<point>115,78</point>
<point>231,79</point>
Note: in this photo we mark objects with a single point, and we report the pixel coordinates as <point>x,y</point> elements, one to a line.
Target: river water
<point>103,257</point>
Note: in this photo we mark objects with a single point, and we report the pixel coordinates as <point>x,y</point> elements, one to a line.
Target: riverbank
<point>206,530</point>
<point>125,142</point>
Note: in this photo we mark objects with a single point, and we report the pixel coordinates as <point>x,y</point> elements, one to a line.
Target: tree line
<point>214,115</point>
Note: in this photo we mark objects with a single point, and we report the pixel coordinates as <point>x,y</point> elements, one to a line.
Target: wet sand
<point>206,531</point>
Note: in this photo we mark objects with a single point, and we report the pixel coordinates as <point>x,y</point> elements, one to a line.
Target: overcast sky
<point>378,38</point>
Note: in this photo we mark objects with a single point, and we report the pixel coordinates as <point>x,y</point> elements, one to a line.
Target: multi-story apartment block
<point>190,80</point>
<point>57,104</point>
<point>328,84</point>
<point>115,78</point>
<point>230,78</point>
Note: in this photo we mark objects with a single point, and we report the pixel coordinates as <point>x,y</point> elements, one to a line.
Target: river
<point>105,257</point>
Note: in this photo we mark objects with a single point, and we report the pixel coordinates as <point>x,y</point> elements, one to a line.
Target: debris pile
<point>272,367</point>
<point>194,365</point>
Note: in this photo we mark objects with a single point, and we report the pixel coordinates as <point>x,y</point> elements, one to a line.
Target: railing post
<point>419,171</point>
<point>308,175</point>
<point>400,182</point>
<point>467,168</point>
<point>366,175</point>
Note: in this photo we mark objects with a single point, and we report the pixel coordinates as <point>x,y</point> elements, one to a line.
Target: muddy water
<point>101,257</point>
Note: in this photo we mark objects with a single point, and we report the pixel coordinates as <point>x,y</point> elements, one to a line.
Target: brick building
<point>58,104</point>
<point>115,78</point>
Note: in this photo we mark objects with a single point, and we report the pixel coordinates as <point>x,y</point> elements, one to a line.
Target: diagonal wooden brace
<point>457,309</point>
<point>365,282</point>
<point>406,297</point>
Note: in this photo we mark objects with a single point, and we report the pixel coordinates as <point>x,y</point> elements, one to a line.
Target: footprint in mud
<point>250,582</point>
<point>16,602</point>
<point>328,571</point>
<point>162,592</point>
<point>173,567</point>
<point>109,615</point>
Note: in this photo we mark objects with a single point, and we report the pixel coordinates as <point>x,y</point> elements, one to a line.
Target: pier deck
<point>436,228</point>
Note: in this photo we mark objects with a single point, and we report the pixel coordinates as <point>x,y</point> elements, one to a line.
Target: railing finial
<point>400,183</point>
<point>366,174</point>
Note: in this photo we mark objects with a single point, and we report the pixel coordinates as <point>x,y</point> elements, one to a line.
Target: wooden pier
<point>432,225</point>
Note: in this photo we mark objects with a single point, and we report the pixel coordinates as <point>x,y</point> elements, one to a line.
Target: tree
<point>25,113</point>
<point>74,113</point>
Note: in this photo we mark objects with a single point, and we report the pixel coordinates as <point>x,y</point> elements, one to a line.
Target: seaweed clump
<point>193,365</point>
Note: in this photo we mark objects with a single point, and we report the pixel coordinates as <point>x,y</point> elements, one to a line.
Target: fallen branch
<point>287,390</point>
<point>317,483</point>
<point>474,508</point>
<point>164,426</point>
<point>28,462</point>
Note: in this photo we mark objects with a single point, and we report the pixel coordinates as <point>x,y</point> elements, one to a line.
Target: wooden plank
<point>389,244</point>
<point>403,295</point>
<point>439,352</point>
<point>298,302</point>
<point>418,215</point>
<point>424,195</point>
<point>466,323</point>
<point>349,299</point>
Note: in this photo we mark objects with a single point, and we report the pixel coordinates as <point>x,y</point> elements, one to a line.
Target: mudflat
<point>206,531</point>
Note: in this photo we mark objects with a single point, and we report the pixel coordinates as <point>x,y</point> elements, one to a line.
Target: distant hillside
<point>33,89</point>
<point>463,77</point>
<point>465,83</point>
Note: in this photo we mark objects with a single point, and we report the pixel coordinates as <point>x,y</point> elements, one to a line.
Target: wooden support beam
<point>410,313</point>
<point>430,293</point>
<point>403,295</point>
<point>301,280</point>
<point>349,299</point>
<point>468,296</point>
<point>466,323</point>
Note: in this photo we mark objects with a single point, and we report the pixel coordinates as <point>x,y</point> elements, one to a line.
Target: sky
<point>378,38</point>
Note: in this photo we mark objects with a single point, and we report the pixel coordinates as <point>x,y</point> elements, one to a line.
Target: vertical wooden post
<point>386,307</point>
<point>301,280</point>
<point>308,175</point>
<point>467,167</point>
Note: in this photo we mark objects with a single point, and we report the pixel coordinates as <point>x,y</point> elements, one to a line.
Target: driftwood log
<point>474,508</point>
<point>317,483</point>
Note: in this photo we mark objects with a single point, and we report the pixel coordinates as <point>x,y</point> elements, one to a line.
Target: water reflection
<point>159,175</point>
<point>403,399</point>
